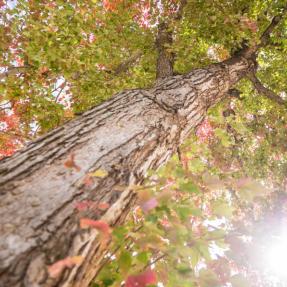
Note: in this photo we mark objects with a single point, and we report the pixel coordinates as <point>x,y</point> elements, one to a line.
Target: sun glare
<point>276,258</point>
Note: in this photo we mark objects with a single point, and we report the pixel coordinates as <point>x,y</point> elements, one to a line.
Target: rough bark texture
<point>134,131</point>
<point>165,59</point>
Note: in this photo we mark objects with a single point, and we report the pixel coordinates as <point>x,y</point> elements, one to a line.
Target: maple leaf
<point>57,268</point>
<point>100,225</point>
<point>141,280</point>
<point>70,162</point>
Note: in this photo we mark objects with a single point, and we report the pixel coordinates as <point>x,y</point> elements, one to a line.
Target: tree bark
<point>165,59</point>
<point>132,132</point>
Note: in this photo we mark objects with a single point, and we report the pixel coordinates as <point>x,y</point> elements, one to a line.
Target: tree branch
<point>263,90</point>
<point>121,68</point>
<point>265,37</point>
<point>250,51</point>
<point>166,59</point>
<point>179,13</point>
<point>125,65</point>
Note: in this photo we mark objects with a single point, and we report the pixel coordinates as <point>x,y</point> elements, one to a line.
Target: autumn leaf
<point>100,225</point>
<point>103,205</point>
<point>88,181</point>
<point>99,173</point>
<point>89,204</point>
<point>70,163</point>
<point>57,268</point>
<point>143,279</point>
<point>43,70</point>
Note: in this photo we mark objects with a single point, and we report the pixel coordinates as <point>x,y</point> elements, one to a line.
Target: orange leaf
<point>103,206</point>
<point>70,163</point>
<point>100,225</point>
<point>57,268</point>
<point>88,181</point>
<point>89,204</point>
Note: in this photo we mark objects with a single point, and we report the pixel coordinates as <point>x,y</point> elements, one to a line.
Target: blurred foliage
<point>196,214</point>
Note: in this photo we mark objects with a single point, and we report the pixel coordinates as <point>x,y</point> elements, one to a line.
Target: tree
<point>103,153</point>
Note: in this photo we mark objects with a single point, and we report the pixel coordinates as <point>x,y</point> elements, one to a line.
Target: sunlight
<point>276,257</point>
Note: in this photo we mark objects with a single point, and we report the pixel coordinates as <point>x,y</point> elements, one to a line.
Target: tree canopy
<point>208,216</point>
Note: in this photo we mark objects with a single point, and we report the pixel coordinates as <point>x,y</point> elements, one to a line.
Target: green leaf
<point>222,208</point>
<point>125,261</point>
<point>189,187</point>
<point>143,257</point>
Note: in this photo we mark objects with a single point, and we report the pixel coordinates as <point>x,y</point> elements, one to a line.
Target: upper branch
<point>166,58</point>
<point>250,51</point>
<point>265,37</point>
<point>263,90</point>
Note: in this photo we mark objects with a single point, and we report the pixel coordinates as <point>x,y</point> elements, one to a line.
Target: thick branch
<point>165,60</point>
<point>263,90</point>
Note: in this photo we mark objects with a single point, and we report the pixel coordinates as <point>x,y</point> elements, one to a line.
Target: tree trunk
<point>132,132</point>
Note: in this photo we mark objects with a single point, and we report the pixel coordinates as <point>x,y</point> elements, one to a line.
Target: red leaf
<point>82,205</point>
<point>57,268</point>
<point>100,225</point>
<point>142,280</point>
<point>103,206</point>
<point>88,181</point>
<point>70,163</point>
<point>89,204</point>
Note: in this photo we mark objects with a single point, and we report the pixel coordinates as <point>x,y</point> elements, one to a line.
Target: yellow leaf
<point>99,173</point>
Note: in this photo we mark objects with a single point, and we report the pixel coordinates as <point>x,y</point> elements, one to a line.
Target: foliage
<point>191,224</point>
<point>197,214</point>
